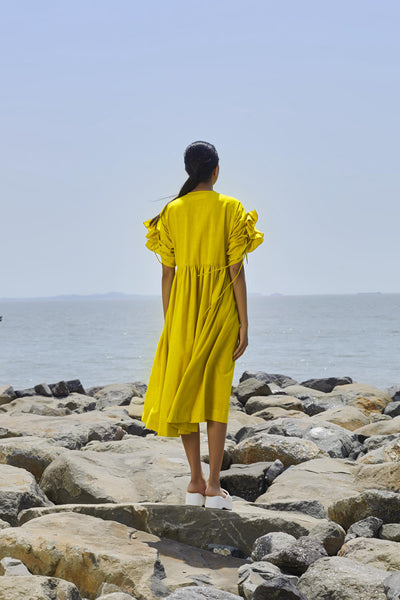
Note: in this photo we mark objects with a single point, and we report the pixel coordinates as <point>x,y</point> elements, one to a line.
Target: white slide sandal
<point>194,499</point>
<point>219,501</point>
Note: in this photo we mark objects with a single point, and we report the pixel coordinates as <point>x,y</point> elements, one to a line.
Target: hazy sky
<point>100,98</point>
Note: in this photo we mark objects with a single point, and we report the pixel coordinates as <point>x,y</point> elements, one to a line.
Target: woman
<point>205,235</point>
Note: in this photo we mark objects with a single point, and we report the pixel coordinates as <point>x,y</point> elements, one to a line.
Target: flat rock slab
<point>50,406</point>
<point>86,551</point>
<point>18,490</point>
<point>340,578</point>
<point>134,470</point>
<point>28,587</point>
<point>115,550</point>
<point>71,431</point>
<point>380,428</point>
<point>196,526</point>
<point>381,554</point>
<point>330,480</point>
<point>29,452</point>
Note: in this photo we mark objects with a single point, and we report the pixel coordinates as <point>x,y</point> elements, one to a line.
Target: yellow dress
<point>201,233</point>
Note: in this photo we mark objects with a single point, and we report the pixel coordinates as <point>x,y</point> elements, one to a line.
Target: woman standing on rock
<point>205,235</point>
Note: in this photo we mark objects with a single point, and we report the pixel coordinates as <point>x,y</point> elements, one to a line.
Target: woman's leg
<point>191,443</point>
<point>216,433</point>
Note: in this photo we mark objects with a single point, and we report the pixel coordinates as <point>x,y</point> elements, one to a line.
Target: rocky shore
<point>92,502</point>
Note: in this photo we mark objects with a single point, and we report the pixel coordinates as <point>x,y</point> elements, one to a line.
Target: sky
<point>99,100</point>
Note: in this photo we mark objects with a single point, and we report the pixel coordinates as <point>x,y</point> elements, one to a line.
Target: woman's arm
<point>168,274</point>
<point>240,291</point>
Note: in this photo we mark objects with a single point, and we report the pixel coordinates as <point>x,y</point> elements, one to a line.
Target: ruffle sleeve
<point>160,242</point>
<point>244,236</point>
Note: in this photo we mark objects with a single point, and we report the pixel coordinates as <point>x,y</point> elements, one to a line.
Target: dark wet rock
<point>365,528</point>
<point>251,387</point>
<point>392,409</point>
<point>25,392</point>
<point>75,386</point>
<point>42,389</point>
<point>278,379</point>
<point>271,543</point>
<point>394,392</point>
<point>247,481</point>
<point>298,556</point>
<point>326,384</point>
<point>59,389</point>
<point>7,394</point>
<point>279,588</point>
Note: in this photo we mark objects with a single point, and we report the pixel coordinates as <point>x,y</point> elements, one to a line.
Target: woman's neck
<point>203,187</point>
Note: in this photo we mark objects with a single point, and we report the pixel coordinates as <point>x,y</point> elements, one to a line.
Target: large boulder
<point>117,394</point>
<point>267,447</point>
<point>326,384</point>
<point>385,427</point>
<point>382,504</point>
<point>7,394</point>
<point>275,378</point>
<point>336,577</point>
<point>26,587</point>
<point>347,417</point>
<point>71,431</point>
<point>251,387</point>
<point>374,552</point>
<point>298,556</point>
<point>18,490</point>
<point>385,453</point>
<point>135,470</point>
<point>196,526</point>
<point>86,551</point>
<point>257,403</point>
<point>31,453</point>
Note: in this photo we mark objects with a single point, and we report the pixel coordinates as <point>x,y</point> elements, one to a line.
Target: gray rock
<point>26,587</point>
<point>378,553</point>
<point>251,387</point>
<point>72,431</point>
<point>394,392</point>
<point>18,490</point>
<point>25,392</point>
<point>331,535</point>
<point>239,527</point>
<point>335,577</point>
<point>201,592</point>
<point>4,524</point>
<point>250,576</point>
<point>377,441</point>
<point>31,453</point>
<point>392,586</point>
<point>279,588</point>
<point>392,409</point>
<point>276,468</point>
<point>7,394</point>
<point>59,389</point>
<point>12,566</point>
<point>335,440</point>
<point>297,557</point>
<point>258,403</point>
<point>326,384</point>
<point>365,528</point>
<point>280,380</point>
<point>246,481</point>
<point>116,394</point>
<point>271,543</point>
<point>266,447</point>
<point>390,531</point>
<point>42,389</point>
<point>75,385</point>
<point>314,508</point>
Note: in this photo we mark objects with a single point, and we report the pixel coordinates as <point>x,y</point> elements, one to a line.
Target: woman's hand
<point>242,342</point>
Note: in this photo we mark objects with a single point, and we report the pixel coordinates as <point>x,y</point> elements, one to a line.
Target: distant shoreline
<point>122,296</point>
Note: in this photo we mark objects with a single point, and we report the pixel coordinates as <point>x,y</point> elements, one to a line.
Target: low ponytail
<point>201,159</point>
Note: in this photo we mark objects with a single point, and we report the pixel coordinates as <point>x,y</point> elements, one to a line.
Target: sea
<point>103,340</point>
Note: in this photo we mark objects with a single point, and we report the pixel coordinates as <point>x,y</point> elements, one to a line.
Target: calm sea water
<point>103,341</point>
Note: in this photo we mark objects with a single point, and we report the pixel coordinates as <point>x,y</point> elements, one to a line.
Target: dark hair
<point>201,158</point>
